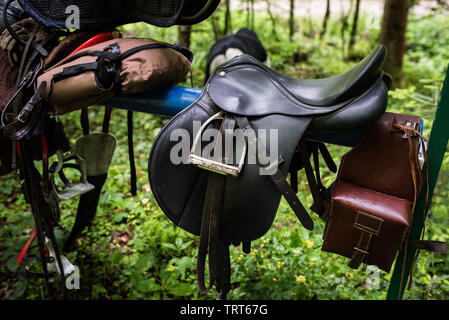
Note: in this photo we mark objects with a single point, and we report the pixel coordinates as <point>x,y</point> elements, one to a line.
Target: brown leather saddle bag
<point>374,196</point>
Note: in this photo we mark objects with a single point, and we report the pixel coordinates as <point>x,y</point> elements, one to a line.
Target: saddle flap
<point>180,187</point>
<point>97,150</point>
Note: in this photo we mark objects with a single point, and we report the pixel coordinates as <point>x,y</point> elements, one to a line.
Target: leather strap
<point>326,156</point>
<point>302,159</point>
<point>278,177</point>
<point>408,131</point>
<point>132,163</point>
<point>314,183</point>
<point>27,118</point>
<point>369,226</point>
<point>210,242</point>
<point>322,201</point>
<point>434,246</point>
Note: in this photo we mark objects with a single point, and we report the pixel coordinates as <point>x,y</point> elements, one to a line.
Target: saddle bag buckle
<point>211,164</point>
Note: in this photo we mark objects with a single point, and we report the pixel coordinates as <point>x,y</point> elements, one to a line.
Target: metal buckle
<point>23,116</point>
<point>212,165</point>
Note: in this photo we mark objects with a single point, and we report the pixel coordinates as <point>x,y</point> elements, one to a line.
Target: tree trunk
<point>273,20</point>
<point>228,22</point>
<point>215,27</point>
<point>252,15</point>
<point>344,26</point>
<point>326,18</point>
<point>354,26</point>
<point>184,33</point>
<point>248,14</point>
<point>394,25</point>
<point>292,19</point>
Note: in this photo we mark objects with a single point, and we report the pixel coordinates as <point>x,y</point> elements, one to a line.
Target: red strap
<point>26,246</point>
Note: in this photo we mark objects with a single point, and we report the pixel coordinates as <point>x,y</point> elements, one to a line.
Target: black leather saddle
<point>234,198</point>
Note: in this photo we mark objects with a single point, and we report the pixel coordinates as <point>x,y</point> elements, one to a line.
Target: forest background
<point>132,251</point>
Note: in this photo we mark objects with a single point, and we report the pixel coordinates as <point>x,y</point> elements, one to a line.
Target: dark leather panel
<point>173,185</point>
<point>180,189</point>
<point>251,200</point>
<point>357,115</point>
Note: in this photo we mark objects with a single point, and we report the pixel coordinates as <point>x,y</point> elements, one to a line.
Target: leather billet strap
<point>429,245</point>
<point>28,117</point>
<point>132,161</point>
<point>278,177</point>
<point>315,149</point>
<point>210,242</point>
<point>321,195</point>
<point>410,130</point>
<point>369,227</point>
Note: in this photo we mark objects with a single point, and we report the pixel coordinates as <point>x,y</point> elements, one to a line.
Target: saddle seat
<point>334,90</point>
<point>246,87</point>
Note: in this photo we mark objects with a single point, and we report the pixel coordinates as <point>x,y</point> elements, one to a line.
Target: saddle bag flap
<point>118,66</point>
<point>374,194</point>
<point>363,220</point>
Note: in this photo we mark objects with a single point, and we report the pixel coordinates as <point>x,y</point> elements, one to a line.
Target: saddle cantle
<point>249,95</point>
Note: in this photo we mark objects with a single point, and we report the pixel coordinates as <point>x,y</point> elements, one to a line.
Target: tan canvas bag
<point>120,66</point>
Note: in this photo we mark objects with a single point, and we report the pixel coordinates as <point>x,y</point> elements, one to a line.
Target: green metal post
<point>436,148</point>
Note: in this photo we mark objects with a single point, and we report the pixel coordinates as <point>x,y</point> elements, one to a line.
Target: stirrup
<point>30,266</point>
<point>30,270</point>
<point>210,164</point>
<point>71,190</point>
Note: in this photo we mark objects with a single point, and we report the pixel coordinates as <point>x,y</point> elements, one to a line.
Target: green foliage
<point>133,251</point>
